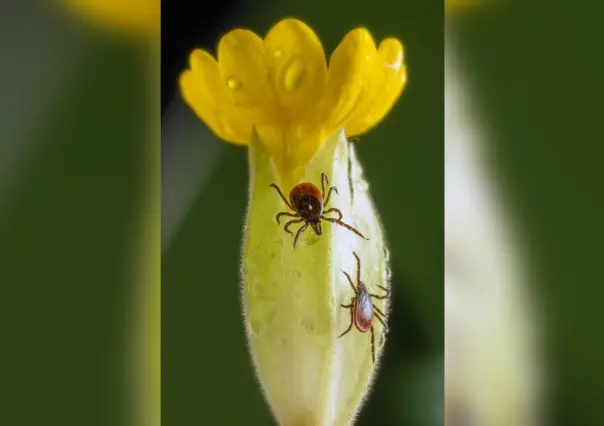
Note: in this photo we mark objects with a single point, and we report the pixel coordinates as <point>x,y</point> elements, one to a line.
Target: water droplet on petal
<point>227,128</point>
<point>233,83</point>
<point>294,74</point>
<point>278,53</point>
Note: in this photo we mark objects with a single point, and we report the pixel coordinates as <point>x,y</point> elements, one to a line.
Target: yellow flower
<point>279,97</point>
<point>282,86</point>
<point>140,16</point>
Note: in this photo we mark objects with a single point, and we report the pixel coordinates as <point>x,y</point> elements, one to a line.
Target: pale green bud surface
<point>292,297</point>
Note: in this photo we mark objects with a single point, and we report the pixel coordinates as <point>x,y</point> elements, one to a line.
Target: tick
<point>362,309</point>
<point>308,205</point>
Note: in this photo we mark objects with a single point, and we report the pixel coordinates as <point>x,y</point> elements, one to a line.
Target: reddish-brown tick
<point>308,204</point>
<point>362,309</point>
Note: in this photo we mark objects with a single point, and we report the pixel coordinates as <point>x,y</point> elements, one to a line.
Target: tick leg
<point>302,229</point>
<point>350,281</point>
<point>332,189</point>
<point>350,228</point>
<point>372,346</point>
<point>282,196</point>
<point>278,217</point>
<point>376,309</point>
<point>379,317</point>
<point>349,327</point>
<point>384,288</point>
<point>335,211</point>
<point>375,296</point>
<point>290,223</point>
<point>356,256</point>
<point>324,183</point>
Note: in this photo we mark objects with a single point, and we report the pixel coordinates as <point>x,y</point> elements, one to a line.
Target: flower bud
<point>292,297</point>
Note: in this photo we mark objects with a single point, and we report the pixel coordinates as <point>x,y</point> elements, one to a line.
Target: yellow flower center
<point>281,88</point>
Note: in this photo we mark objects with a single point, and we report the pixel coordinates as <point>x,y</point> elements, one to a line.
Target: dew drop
<point>278,53</point>
<point>307,323</point>
<point>256,288</point>
<point>227,127</point>
<point>294,75</point>
<point>233,83</point>
<point>257,327</point>
<point>388,273</point>
<point>386,255</point>
<point>362,185</point>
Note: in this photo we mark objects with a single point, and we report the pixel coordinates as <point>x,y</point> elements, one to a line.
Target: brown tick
<point>308,204</point>
<point>362,309</point>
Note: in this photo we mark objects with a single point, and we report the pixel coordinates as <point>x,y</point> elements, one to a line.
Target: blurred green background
<point>536,76</point>
<point>74,162</point>
<point>207,374</point>
<point>68,208</point>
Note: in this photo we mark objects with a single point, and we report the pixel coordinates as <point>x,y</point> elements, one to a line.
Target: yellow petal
<point>372,91</point>
<point>289,152</point>
<point>392,57</point>
<point>241,62</point>
<point>203,90</point>
<point>347,67</point>
<point>382,88</point>
<point>296,65</point>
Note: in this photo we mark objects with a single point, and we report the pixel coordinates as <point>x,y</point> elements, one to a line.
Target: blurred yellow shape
<point>140,16</point>
<point>282,87</point>
<point>454,6</point>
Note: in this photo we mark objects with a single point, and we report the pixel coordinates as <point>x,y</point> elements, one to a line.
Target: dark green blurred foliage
<point>207,375</point>
<point>67,242</point>
<point>537,75</point>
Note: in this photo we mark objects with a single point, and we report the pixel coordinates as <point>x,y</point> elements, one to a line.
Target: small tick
<point>308,204</point>
<point>362,309</point>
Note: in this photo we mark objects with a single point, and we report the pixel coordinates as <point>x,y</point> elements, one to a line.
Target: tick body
<point>362,310</point>
<point>307,204</point>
